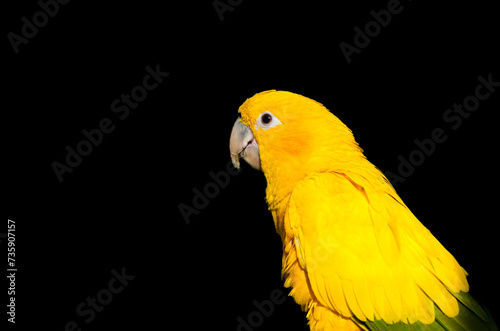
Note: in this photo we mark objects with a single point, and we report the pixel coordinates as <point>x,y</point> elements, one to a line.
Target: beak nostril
<point>248,143</point>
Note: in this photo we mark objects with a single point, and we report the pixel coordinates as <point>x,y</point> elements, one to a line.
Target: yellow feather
<point>336,296</point>
<point>351,299</point>
<point>380,303</point>
<point>363,297</point>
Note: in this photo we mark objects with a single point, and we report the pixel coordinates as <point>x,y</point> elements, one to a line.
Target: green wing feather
<point>471,317</point>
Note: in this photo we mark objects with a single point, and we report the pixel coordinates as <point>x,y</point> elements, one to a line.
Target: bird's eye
<point>267,120</point>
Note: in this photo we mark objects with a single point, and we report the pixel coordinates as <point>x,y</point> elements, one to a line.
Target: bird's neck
<point>283,175</point>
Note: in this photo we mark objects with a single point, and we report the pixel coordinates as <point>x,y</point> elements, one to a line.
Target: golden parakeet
<point>354,255</point>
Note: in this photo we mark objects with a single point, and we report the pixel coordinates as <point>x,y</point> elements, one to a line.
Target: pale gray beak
<point>242,144</point>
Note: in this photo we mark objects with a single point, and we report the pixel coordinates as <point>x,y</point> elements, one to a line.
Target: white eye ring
<point>267,120</point>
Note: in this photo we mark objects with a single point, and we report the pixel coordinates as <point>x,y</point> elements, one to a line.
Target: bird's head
<point>287,136</point>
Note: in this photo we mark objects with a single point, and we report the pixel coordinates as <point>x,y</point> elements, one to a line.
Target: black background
<point>120,207</point>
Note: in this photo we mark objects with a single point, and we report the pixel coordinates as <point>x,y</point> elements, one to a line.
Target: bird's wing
<point>367,257</point>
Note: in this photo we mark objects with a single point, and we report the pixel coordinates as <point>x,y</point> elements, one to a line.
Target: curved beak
<point>242,145</point>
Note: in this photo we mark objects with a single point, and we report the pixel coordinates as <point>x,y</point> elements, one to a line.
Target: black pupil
<point>266,118</point>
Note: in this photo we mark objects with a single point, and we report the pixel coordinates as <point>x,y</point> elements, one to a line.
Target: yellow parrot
<point>354,255</point>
